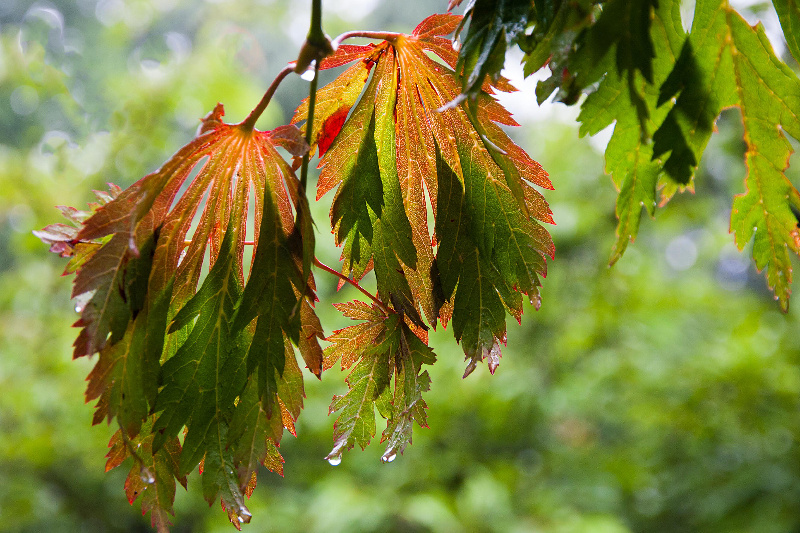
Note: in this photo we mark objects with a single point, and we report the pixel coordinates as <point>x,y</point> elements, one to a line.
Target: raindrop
<point>389,456</point>
<point>494,357</point>
<point>335,460</point>
<point>456,45</point>
<point>78,308</point>
<point>146,475</point>
<point>244,515</point>
<point>309,74</point>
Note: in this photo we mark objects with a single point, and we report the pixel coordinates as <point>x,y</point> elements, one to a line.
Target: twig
<point>250,122</point>
<point>354,283</point>
<point>381,35</point>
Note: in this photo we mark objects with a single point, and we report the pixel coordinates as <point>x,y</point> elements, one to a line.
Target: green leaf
<point>630,100</point>
<point>494,26</point>
<point>192,378</point>
<point>385,347</point>
<point>789,15</point>
<point>726,63</point>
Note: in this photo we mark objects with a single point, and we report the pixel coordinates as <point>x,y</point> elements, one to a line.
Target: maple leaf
<point>403,150</point>
<point>185,348</point>
<point>789,15</point>
<point>493,27</point>
<point>388,349</point>
<point>629,155</point>
<point>725,63</point>
<point>152,475</point>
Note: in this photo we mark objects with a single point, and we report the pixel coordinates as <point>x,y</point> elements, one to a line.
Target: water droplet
<point>244,515</point>
<point>309,74</point>
<point>147,476</point>
<point>456,45</point>
<point>78,308</point>
<point>389,456</point>
<point>334,460</point>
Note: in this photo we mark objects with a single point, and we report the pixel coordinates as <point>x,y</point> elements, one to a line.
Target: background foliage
<point>659,395</point>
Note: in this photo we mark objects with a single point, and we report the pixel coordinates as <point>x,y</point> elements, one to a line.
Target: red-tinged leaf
<point>401,144</point>
<point>333,103</point>
<point>60,237</point>
<point>437,25</point>
<point>183,348</point>
<point>330,129</point>
<point>345,54</point>
<point>152,475</point>
<point>348,341</point>
<point>310,335</point>
<point>388,349</point>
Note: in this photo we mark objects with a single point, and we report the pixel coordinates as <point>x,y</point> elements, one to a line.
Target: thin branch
<point>321,47</point>
<point>354,283</point>
<point>390,36</point>
<point>312,100</point>
<point>315,34</point>
<point>250,122</point>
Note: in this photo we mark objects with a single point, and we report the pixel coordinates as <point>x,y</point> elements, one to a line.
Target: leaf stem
<point>250,122</point>
<point>321,47</point>
<point>381,35</point>
<point>312,100</point>
<point>354,283</point>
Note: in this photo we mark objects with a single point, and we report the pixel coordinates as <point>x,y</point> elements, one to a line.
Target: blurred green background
<point>660,395</point>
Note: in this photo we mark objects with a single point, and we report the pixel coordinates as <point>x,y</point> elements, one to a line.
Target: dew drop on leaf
<point>78,308</point>
<point>147,476</point>
<point>389,456</point>
<point>308,75</point>
<point>335,460</point>
<point>244,515</point>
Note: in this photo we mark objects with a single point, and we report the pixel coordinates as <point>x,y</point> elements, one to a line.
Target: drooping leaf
<point>184,347</point>
<point>389,160</point>
<point>387,349</point>
<point>494,27</point>
<point>629,154</point>
<point>152,475</point>
<point>789,15</point>
<point>725,62</point>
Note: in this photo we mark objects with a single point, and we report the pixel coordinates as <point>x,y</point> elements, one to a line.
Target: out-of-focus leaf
<point>789,15</point>
<point>724,63</point>
<point>494,26</point>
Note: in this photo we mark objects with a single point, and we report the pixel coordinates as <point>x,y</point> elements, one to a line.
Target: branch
<point>380,35</point>
<point>317,47</point>
<point>355,284</point>
<point>250,122</point>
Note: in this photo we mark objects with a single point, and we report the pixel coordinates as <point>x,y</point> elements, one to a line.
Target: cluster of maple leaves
<point>197,318</point>
<point>212,357</point>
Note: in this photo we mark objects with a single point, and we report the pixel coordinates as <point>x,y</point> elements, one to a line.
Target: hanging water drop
<point>456,45</point>
<point>389,456</point>
<point>78,308</point>
<point>334,460</point>
<point>309,74</point>
<point>244,515</point>
<point>146,475</point>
